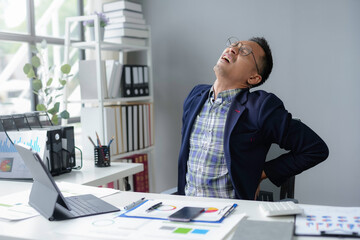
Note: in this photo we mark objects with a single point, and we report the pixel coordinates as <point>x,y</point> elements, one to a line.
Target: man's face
<point>234,66</point>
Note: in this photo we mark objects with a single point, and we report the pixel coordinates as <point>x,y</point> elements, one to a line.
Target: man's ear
<point>255,79</point>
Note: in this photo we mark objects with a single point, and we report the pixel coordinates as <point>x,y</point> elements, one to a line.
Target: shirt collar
<point>227,95</point>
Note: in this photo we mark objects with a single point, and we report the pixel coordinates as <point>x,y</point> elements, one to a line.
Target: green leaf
<point>40,107</point>
<point>49,82</point>
<point>37,85</point>
<point>55,119</point>
<point>60,88</point>
<point>62,82</point>
<point>43,44</point>
<point>47,91</point>
<point>50,100</point>
<point>55,109</point>
<point>57,106</point>
<point>35,61</point>
<point>33,49</point>
<point>31,73</point>
<point>65,69</point>
<point>65,114</point>
<point>27,67</point>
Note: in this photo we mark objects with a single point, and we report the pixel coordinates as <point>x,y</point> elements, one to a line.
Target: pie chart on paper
<point>211,210</point>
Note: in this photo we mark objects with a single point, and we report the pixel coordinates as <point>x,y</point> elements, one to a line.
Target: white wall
<point>316,50</point>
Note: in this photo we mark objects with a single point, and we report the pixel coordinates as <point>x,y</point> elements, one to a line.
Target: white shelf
<point>127,154</point>
<point>101,102</point>
<point>109,46</point>
<point>96,176</point>
<point>108,101</point>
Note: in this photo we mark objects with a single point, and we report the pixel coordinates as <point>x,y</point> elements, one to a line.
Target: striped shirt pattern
<point>207,173</point>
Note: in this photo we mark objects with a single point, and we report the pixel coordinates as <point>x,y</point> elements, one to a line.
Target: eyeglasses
<point>244,50</point>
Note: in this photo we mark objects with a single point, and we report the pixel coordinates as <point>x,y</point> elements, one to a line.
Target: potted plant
<point>47,83</point>
<point>103,22</point>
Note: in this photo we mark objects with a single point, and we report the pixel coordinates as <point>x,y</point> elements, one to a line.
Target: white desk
<point>40,228</point>
<point>96,176</point>
<point>87,175</point>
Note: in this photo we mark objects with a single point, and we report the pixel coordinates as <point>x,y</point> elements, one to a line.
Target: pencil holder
<point>102,156</point>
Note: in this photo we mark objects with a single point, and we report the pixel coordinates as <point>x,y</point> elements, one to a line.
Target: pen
<point>222,210</point>
<point>230,210</point>
<point>91,141</point>
<point>134,204</point>
<point>98,139</point>
<point>154,207</point>
<point>111,140</point>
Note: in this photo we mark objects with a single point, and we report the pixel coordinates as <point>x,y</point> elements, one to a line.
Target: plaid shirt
<point>207,174</point>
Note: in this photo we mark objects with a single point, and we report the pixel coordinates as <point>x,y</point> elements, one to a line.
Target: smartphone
<point>185,214</point>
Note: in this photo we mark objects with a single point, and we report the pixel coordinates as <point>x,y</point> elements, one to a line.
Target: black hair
<point>266,61</point>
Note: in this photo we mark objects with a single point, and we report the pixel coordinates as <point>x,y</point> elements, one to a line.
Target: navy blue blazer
<point>255,120</point>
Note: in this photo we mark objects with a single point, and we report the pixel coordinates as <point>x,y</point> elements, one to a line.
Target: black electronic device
<point>186,214</point>
<point>68,147</point>
<point>53,152</point>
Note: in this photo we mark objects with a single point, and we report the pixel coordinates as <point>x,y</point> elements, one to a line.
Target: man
<point>227,130</point>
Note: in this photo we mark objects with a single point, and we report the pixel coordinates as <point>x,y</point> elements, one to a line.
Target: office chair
<point>287,190</point>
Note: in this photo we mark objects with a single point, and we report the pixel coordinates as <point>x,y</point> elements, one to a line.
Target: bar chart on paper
<point>327,219</point>
<point>11,164</point>
<point>6,146</point>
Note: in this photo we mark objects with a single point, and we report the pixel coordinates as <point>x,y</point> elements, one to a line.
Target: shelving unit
<point>101,102</point>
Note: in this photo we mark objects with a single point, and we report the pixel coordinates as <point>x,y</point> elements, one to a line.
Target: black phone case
<point>185,214</point>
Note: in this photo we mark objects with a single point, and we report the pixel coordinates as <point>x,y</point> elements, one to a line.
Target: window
<point>13,16</point>
<point>15,92</point>
<point>50,17</point>
<point>24,23</point>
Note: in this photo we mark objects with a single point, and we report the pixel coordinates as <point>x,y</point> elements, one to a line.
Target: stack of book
<point>126,23</point>
<point>138,182</point>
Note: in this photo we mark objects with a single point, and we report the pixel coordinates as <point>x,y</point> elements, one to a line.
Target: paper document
<point>11,164</point>
<point>72,189</point>
<point>326,220</point>
<point>14,207</point>
<point>112,226</point>
<point>214,211</point>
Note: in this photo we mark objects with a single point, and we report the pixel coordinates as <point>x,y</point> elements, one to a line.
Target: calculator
<point>280,208</point>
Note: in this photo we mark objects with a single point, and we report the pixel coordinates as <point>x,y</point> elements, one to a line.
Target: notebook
<point>47,199</point>
<point>263,230</point>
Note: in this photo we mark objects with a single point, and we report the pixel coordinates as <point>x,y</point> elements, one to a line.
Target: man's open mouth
<point>226,58</point>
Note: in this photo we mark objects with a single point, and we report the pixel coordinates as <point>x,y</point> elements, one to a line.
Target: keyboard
<point>280,208</point>
<point>79,207</point>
